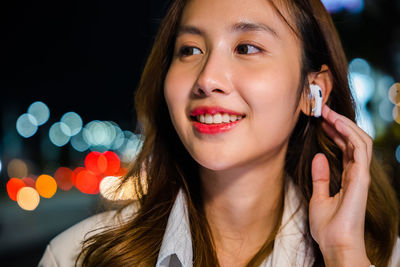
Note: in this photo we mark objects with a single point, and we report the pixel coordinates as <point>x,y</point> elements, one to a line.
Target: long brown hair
<point>166,167</point>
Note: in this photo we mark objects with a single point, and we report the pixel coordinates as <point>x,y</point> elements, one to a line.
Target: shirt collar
<point>290,248</point>
<point>177,241</point>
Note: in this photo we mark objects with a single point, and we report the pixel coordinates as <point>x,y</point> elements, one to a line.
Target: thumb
<point>320,176</point>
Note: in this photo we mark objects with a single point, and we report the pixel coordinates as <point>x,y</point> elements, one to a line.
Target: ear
<point>323,79</point>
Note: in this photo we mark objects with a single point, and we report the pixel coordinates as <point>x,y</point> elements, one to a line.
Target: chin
<point>213,164</point>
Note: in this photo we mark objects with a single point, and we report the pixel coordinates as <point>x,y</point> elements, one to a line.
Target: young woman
<point>238,171</point>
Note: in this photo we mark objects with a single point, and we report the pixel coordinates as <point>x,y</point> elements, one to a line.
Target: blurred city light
<point>46,186</point>
<point>71,123</point>
<point>29,181</point>
<point>398,153</point>
<point>119,137</point>
<point>99,135</point>
<point>63,178</point>
<point>352,6</point>
<point>394,94</point>
<point>79,143</point>
<point>396,114</point>
<point>26,125</point>
<point>385,110</point>
<point>131,147</point>
<point>28,198</point>
<point>17,168</point>
<point>57,135</point>
<point>110,190</point>
<point>13,186</point>
<point>362,87</point>
<point>40,112</point>
<point>87,182</point>
<point>75,173</point>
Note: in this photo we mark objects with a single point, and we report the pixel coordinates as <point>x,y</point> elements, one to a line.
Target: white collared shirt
<point>290,249</point>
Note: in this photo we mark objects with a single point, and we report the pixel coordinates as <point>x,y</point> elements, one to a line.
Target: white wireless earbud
<point>316,93</point>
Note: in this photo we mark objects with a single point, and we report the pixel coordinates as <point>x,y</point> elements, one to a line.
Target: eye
<point>185,51</point>
<point>247,49</point>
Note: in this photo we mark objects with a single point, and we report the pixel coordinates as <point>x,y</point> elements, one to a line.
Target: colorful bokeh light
<point>17,168</point>
<point>13,186</point>
<point>26,125</point>
<point>87,182</point>
<point>40,112</point>
<point>29,181</point>
<point>71,123</point>
<point>63,176</point>
<point>57,135</point>
<point>46,186</point>
<point>28,198</point>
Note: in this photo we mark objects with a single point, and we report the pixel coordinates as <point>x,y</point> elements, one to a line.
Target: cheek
<point>174,92</point>
<point>269,91</point>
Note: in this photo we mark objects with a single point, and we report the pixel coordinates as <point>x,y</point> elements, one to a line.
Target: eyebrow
<point>237,27</point>
<point>249,26</point>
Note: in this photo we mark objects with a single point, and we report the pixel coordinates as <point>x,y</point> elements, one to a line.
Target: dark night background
<point>87,56</point>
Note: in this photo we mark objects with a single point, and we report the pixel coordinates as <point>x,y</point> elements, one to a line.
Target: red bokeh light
<point>87,182</point>
<point>63,178</point>
<point>29,181</point>
<point>107,163</point>
<point>75,173</point>
<point>13,186</point>
<point>113,163</point>
<point>92,162</point>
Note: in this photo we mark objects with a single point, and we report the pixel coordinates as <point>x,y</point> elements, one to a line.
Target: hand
<point>337,222</point>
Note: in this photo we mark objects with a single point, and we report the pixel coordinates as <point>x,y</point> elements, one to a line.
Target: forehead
<point>224,15</point>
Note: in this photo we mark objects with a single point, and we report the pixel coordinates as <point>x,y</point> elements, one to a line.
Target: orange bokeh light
<point>13,186</point>
<point>87,182</point>
<point>46,186</point>
<point>63,178</point>
<point>29,181</point>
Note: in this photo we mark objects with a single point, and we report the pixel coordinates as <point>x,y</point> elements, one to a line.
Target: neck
<point>242,206</point>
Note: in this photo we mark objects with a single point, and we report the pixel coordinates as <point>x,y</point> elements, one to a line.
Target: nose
<point>213,77</point>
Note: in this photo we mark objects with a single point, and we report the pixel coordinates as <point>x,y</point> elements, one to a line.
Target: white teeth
<point>202,118</point>
<point>209,119</point>
<point>217,118</point>
<point>225,118</point>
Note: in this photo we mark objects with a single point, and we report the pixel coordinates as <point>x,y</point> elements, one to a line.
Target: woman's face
<point>233,57</point>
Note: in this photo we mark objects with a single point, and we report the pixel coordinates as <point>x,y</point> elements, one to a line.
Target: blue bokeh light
<point>40,112</point>
<point>26,125</point>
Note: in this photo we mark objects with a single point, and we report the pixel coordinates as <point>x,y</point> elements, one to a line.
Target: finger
<point>359,151</point>
<point>335,136</point>
<point>331,117</point>
<point>320,176</point>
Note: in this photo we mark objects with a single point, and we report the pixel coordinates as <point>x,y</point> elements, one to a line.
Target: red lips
<point>216,128</point>
<point>212,110</point>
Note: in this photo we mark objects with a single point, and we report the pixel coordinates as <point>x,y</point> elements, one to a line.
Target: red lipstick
<point>212,111</point>
<point>214,128</point>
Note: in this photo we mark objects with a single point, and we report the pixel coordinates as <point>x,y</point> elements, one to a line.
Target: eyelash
<point>181,50</point>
